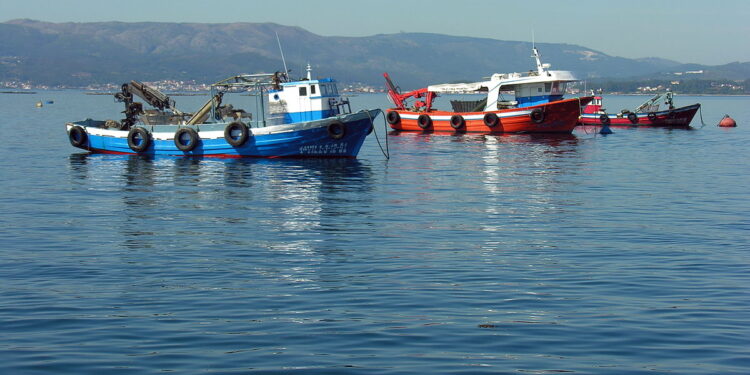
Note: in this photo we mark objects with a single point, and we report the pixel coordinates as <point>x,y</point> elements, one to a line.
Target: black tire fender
<point>230,131</point>
<point>192,139</point>
<point>633,118</point>
<point>651,116</point>
<point>604,119</point>
<point>537,115</point>
<point>491,120</point>
<point>457,122</point>
<point>336,130</point>
<point>393,117</point>
<point>78,136</point>
<point>424,121</point>
<point>145,139</point>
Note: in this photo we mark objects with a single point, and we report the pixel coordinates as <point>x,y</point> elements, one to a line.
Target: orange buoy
<point>727,122</point>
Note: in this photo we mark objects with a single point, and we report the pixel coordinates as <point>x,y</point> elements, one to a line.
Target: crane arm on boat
<point>202,115</point>
<point>399,99</point>
<point>152,96</point>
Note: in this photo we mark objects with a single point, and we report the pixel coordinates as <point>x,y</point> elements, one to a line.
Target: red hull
<point>675,118</point>
<point>556,117</point>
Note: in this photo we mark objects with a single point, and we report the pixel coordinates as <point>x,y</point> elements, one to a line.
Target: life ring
<point>236,134</point>
<point>192,139</point>
<point>77,136</point>
<point>336,130</point>
<point>604,119</point>
<point>424,121</point>
<point>491,120</point>
<point>651,116</point>
<point>633,118</point>
<point>457,122</point>
<point>133,139</point>
<point>537,115</point>
<point>393,117</point>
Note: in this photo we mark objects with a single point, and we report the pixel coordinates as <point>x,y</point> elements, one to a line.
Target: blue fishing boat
<point>301,118</point>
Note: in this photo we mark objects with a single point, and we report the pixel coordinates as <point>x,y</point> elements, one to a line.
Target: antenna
<point>282,53</point>
<point>539,66</point>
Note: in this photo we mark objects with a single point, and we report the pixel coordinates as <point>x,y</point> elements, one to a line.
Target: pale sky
<point>688,31</point>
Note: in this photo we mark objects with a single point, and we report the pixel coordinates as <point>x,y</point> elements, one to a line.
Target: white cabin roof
<point>507,80</point>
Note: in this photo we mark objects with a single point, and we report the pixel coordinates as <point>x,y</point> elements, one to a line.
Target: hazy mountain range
<point>113,52</point>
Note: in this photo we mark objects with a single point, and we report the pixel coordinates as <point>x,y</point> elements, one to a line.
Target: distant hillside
<point>78,54</point>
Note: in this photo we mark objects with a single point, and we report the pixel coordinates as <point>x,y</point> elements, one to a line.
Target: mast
<point>539,66</point>
<point>286,71</point>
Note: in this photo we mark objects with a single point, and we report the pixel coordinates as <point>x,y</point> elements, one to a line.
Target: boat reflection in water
<point>245,203</point>
<point>525,180</point>
<point>554,142</point>
<point>504,191</point>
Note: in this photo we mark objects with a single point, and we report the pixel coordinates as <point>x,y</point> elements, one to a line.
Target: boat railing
<point>254,85</point>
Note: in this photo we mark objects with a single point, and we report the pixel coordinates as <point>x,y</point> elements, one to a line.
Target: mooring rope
<point>387,151</point>
<point>700,110</point>
<point>580,117</point>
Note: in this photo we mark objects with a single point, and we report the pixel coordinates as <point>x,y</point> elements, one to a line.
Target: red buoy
<point>727,122</point>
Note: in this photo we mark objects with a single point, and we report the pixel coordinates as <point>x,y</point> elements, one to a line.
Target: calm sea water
<point>467,254</point>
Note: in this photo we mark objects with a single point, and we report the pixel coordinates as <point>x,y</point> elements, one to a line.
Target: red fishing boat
<point>647,114</point>
<point>538,105</point>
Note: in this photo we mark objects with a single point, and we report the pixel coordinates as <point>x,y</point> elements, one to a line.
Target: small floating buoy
<point>50,101</point>
<point>39,104</point>
<point>605,129</point>
<point>727,122</point>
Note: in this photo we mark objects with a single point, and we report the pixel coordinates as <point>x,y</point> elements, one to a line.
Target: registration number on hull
<point>325,149</point>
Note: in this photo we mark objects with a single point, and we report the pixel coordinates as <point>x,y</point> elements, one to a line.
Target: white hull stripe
<point>469,117</point>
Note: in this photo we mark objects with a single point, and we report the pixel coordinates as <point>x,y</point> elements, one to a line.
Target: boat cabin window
<point>303,91</point>
<point>558,88</point>
<point>328,89</point>
<point>547,87</point>
<point>312,89</point>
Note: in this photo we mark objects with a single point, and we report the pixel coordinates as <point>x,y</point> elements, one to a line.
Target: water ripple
<point>463,254</point>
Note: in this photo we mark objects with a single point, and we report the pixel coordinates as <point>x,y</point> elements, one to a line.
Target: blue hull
<point>307,139</point>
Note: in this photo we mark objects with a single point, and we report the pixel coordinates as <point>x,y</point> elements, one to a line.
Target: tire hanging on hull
<point>457,122</point>
<point>192,139</point>
<point>145,139</point>
<point>424,121</point>
<point>77,136</point>
<point>336,130</point>
<point>236,134</point>
<point>633,118</point>
<point>393,117</point>
<point>491,120</point>
<point>537,115</point>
